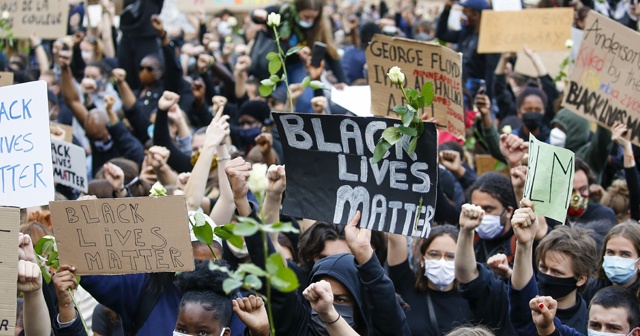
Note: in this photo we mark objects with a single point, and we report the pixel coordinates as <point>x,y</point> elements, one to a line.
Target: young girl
<point>206,310</point>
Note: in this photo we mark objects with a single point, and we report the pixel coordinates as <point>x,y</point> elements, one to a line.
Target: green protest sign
<point>549,181</point>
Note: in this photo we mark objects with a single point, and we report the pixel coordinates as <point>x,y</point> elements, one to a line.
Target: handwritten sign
<point>330,173</point>
<point>545,29</point>
<point>47,18</point>
<point>61,131</point>
<point>549,181</point>
<point>69,165</point>
<point>9,223</point>
<point>216,5</point>
<point>604,85</point>
<point>26,174</point>
<point>125,235</point>
<point>6,78</point>
<point>420,62</point>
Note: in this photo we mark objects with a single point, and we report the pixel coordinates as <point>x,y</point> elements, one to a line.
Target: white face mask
<point>557,137</point>
<point>305,24</point>
<point>490,228</point>
<point>602,333</point>
<point>440,272</point>
<point>87,56</point>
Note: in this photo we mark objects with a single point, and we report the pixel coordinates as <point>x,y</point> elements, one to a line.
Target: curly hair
<point>617,198</point>
<point>204,286</point>
<point>496,185</point>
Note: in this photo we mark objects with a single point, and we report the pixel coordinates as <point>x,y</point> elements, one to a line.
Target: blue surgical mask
<point>249,135</point>
<point>619,270</point>
<point>602,333</point>
<point>490,228</point>
<point>305,24</point>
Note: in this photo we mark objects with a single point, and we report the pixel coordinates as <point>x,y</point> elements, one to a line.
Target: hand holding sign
<point>470,217</point>
<point>359,240</point>
<point>29,276</point>
<point>525,223</point>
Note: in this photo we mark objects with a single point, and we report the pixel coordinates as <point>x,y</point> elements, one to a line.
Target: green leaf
<point>392,135</point>
<point>420,127</point>
<point>200,220</point>
<point>408,131</point>
<point>45,273</point>
<point>293,50</point>
<point>47,247</point>
<point>230,284</point>
<point>215,267</point>
<point>285,280</point>
<point>39,247</point>
<point>265,90</point>
<point>274,66</point>
<point>272,56</point>
<point>316,85</point>
<point>412,145</point>
<point>408,117</point>
<point>305,82</point>
<point>499,166</point>
<point>53,256</point>
<point>400,109</point>
<point>226,232</point>
<point>267,82</point>
<point>252,281</point>
<point>204,234</point>
<point>245,229</point>
<point>284,227</point>
<point>427,93</point>
<point>252,269</point>
<point>274,263</point>
<point>381,150</point>
<point>412,94</point>
<point>274,78</point>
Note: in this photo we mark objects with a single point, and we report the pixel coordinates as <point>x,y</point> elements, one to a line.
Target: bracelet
<point>164,35</point>
<point>37,45</point>
<point>228,157</point>
<point>329,323</point>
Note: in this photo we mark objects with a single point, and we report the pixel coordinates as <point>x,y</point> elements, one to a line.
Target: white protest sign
<point>26,173</point>
<point>69,165</point>
<point>506,5</point>
<point>356,99</point>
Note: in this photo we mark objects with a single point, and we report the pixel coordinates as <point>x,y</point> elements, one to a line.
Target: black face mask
<point>533,120</point>
<point>555,287</point>
<point>345,311</point>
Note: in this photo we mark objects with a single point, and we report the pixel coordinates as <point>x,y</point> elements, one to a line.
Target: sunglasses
<point>148,68</point>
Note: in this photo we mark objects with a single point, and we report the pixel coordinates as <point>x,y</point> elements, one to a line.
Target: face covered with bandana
<point>343,303</point>
<point>580,197</point>
<point>496,217</point>
<point>438,263</point>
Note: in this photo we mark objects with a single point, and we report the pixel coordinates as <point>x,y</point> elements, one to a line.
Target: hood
<point>576,128</point>
<point>342,267</point>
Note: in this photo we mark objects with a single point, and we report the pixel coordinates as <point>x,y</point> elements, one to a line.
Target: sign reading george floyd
<point>330,173</point>
<point>69,165</point>
<point>9,223</point>
<point>544,29</point>
<point>47,18</point>
<point>124,235</point>
<point>420,62</point>
<point>549,181</point>
<point>604,85</point>
<point>26,174</point>
<point>216,5</point>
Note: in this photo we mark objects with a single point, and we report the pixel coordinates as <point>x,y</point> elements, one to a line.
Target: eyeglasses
<point>437,255</point>
<point>148,68</point>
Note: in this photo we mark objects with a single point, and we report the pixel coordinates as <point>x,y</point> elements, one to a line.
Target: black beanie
<point>256,109</point>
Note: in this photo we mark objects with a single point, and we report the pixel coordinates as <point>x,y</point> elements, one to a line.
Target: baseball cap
<point>478,5</point>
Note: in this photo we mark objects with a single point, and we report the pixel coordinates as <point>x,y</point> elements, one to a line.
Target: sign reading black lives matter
<point>605,82</point>
<point>330,173</point>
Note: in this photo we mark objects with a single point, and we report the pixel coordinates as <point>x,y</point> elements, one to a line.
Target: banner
<point>25,147</point>
<point>47,18</point>
<point>549,181</point>
<point>604,85</point>
<point>9,224</point>
<point>69,165</point>
<point>217,5</point>
<point>330,173</point>
<point>544,29</point>
<point>420,62</point>
<point>123,235</point>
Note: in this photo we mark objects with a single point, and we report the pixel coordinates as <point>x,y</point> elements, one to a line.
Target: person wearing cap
<point>474,65</point>
<point>253,131</point>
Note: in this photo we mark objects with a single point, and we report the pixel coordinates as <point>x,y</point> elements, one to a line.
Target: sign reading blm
<point>330,173</point>
<point>420,62</point>
<point>124,235</point>
<point>604,85</point>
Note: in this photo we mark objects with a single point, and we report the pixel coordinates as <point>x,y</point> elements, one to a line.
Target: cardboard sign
<point>420,62</point>
<point>216,5</point>
<point>69,165</point>
<point>549,181</point>
<point>545,29</point>
<point>124,235</point>
<point>330,173</point>
<point>47,18</point>
<point>604,85</point>
<point>25,148</point>
<point>6,78</point>
<point>9,223</point>
<point>61,131</point>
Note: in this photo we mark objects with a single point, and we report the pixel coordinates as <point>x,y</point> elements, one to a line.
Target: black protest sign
<point>330,174</point>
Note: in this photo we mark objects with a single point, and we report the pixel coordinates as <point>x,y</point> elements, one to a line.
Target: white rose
<point>158,190</point>
<point>5,15</point>
<point>273,20</point>
<point>232,21</point>
<point>258,181</point>
<point>395,75</point>
<point>568,43</point>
